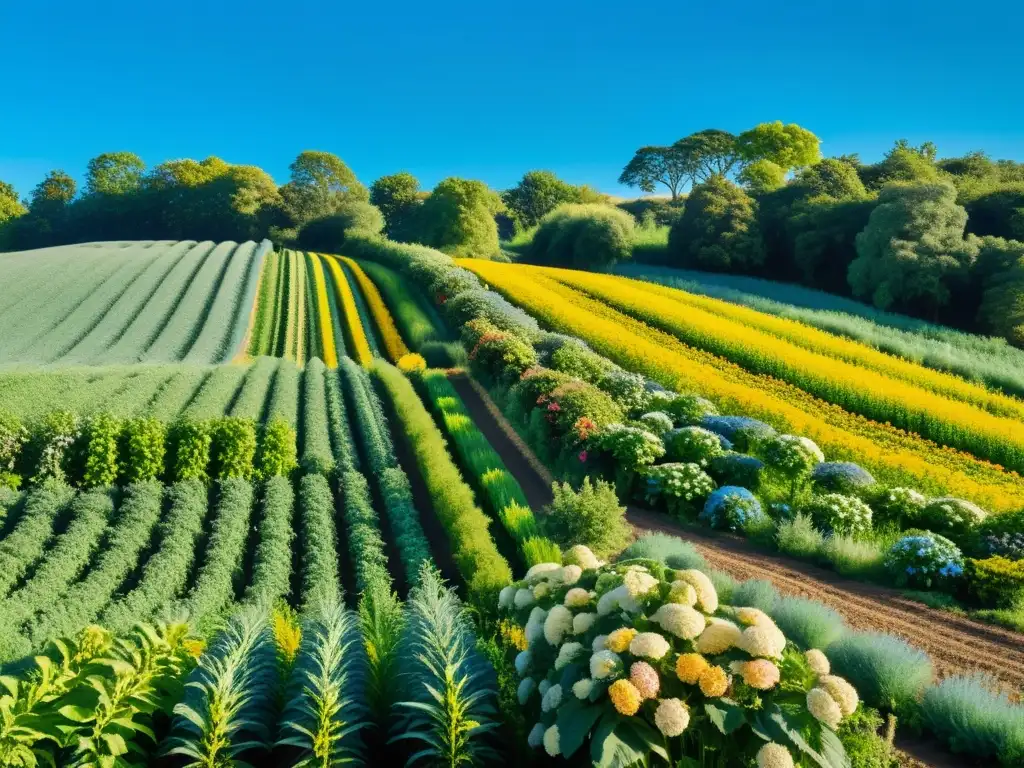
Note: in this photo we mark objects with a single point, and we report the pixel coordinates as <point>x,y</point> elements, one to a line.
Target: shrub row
<point>319,538</point>
<point>317,457</point>
<point>487,473</point>
<point>476,556</point>
<point>26,542</point>
<point>362,531</point>
<point>103,450</point>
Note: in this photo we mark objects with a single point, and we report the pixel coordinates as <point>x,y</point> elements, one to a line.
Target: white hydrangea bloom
<point>681,620</point>
<point>582,622</point>
<point>557,624</point>
<point>581,689</point>
<point>551,741</point>
<point>571,574</point>
<point>506,597</point>
<point>638,583</point>
<point>577,597</point>
<point>649,645</point>
<point>583,557</point>
<point>523,598</point>
<point>671,717</point>
<point>566,654</point>
<point>523,661</point>
<point>542,571</point>
<point>604,664</point>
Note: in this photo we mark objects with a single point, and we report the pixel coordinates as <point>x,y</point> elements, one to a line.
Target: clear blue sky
<point>490,90</point>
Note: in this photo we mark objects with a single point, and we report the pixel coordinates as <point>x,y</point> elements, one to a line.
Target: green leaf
<point>726,715</point>
<point>575,720</point>
<point>77,714</point>
<point>619,742</point>
<point>772,724</point>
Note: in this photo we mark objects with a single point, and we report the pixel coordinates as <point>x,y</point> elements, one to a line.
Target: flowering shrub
<point>502,356</point>
<point>741,431</point>
<point>13,437</point>
<point>1008,545</point>
<point>567,403</point>
<point>680,485</point>
<point>841,477</point>
<point>592,515</point>
<point>926,560</point>
<point>575,359</point>
<point>731,508</point>
<point>733,468</point>
<point>793,456</point>
<point>901,506</point>
<point>411,363</point>
<point>627,389</point>
<point>689,409</point>
<point>642,660</point>
<point>55,437</point>
<point>954,517</point>
<point>656,422</point>
<point>631,447</point>
<point>996,581</point>
<point>694,444</point>
<point>840,514</point>
<point>535,383</point>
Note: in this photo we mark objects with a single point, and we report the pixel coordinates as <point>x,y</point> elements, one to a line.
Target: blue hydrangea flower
<point>731,507</point>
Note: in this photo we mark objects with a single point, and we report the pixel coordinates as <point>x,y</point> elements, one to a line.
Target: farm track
<point>956,644</point>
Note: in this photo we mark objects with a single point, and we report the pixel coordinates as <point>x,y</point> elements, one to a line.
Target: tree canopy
<point>397,197</point>
<point>114,173</point>
<point>708,153</point>
<point>651,166</point>
<point>458,218</point>
<point>537,194</point>
<point>591,236</point>
<point>10,206</point>
<point>787,146</point>
<point>320,182</point>
<point>718,230</point>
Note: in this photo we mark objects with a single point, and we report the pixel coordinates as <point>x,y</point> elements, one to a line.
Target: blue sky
<point>488,90</point>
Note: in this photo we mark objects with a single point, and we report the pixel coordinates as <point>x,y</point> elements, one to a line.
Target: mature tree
<point>53,193</point>
<point>914,165</point>
<point>833,178</point>
<point>1001,263</point>
<point>788,146</point>
<point>398,197</point>
<point>823,232</point>
<point>186,173</point>
<point>320,182</point>
<point>974,164</point>
<point>114,173</point>
<point>589,236</point>
<point>537,194</point>
<point>718,230</point>
<point>762,176</point>
<point>10,206</point>
<point>353,217</point>
<point>651,166</point>
<point>707,153</point>
<point>995,209</point>
<point>458,218</point>
<point>913,252</point>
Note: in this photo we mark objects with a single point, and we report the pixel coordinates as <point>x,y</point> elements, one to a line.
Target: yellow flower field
<point>324,313</point>
<point>393,343</point>
<point>357,334</point>
<point>893,455</point>
<point>859,389</point>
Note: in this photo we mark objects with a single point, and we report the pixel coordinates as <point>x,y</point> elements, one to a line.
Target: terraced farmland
<point>330,469</point>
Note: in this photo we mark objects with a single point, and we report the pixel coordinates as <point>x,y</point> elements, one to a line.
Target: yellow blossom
<point>625,697</point>
<point>619,640</point>
<point>690,666</point>
<point>713,682</point>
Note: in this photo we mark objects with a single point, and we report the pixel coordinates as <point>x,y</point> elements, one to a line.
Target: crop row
<point>895,456</point>
<point>392,339</point>
<point>325,321</point>
<point>937,406</point>
<point>415,318</point>
<point>356,340</point>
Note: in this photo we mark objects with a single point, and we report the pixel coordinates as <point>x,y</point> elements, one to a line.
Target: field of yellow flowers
<point>393,344</point>
<point>894,455</point>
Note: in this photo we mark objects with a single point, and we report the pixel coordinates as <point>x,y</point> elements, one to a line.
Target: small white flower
<point>582,622</point>
<point>523,598</point>
<point>581,689</point>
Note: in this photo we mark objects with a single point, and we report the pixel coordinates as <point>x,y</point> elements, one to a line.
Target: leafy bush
<point>731,508</point>
<point>656,422</point>
<point>694,444</point>
<point>13,437</point>
<point>840,514</point>
<point>404,519</point>
<point>100,436</point>
<point>591,516</point>
<point>744,433</point>
<point>841,477</point>
<point>1008,545</point>
<point>234,448</point>
<point>329,234</point>
<point>798,537</point>
<point>899,506</point>
<point>682,486</point>
<point>320,582</point>
<point>952,517</point>
<point>575,359</point>
<point>689,409</point>
<point>502,357</point>
<point>143,451</point>
<point>582,236</point>
<point>972,717</point>
<point>925,560</point>
<point>861,736</point>
<point>568,403</point>
<point>444,354</point>
<point>628,390</point>
<point>190,443</point>
<point>718,230</point>
<point>540,549</point>
<point>888,672</point>
<point>996,581</point>
<point>792,456</point>
<point>632,448</point>
<point>54,440</point>
<point>278,455</point>
<point>667,549</point>
<point>808,623</point>
<point>362,530</point>
<point>740,469</point>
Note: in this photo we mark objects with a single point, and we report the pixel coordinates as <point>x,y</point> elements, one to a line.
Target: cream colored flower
<point>821,704</point>
<point>617,598</point>
<point>604,664</point>
<point>760,673</point>
<point>818,662</point>
<point>763,640</point>
<point>773,755</point>
<point>506,597</point>
<point>571,574</point>
<point>557,624</point>
<point>576,598</point>
<point>682,592</point>
<point>551,741</point>
<point>638,583</point>
<point>707,598</point>
<point>523,598</point>
<point>671,717</point>
<point>542,571</point>
<point>681,620</point>
<point>845,695</point>
<point>649,645</point>
<point>567,654</point>
<point>582,622</point>
<point>583,557</point>
<point>750,616</point>
<point>552,698</point>
<point>582,688</point>
<point>541,590</point>
<point>719,636</point>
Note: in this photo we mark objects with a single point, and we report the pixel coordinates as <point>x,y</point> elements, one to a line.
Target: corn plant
<point>381,620</point>
<point>229,697</point>
<point>452,706</point>
<point>326,707</point>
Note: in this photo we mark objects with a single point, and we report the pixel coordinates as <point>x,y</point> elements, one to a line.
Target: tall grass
<point>808,623</point>
<point>798,537</point>
<point>973,718</point>
<point>977,358</point>
<point>670,550</point>
<point>888,673</point>
<point>756,593</point>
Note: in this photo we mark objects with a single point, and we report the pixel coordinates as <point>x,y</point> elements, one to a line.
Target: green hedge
<point>272,564</point>
<point>317,457</point>
<point>320,581</point>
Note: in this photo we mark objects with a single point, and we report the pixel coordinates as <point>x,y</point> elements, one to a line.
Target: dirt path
<point>955,643</point>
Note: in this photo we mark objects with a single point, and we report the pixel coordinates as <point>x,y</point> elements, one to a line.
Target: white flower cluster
<point>841,514</point>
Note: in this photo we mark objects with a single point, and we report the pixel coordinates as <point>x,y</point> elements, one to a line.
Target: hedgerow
<point>272,563</point>
<point>26,542</point>
<point>473,549</point>
<point>277,455</point>
<point>165,574</point>
<point>128,538</point>
<point>233,449</point>
<point>362,529</point>
<point>100,436</point>
<point>319,538</point>
<point>222,562</point>
<point>143,449</point>
<point>189,450</point>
